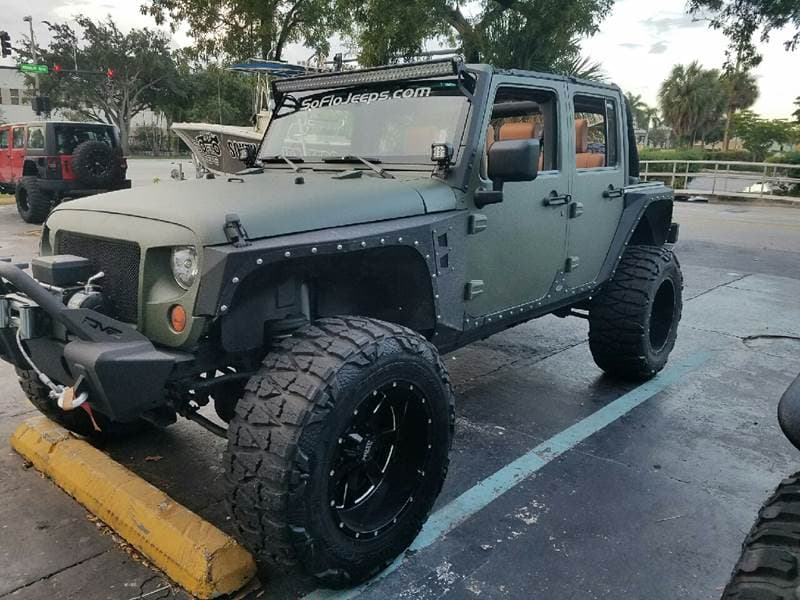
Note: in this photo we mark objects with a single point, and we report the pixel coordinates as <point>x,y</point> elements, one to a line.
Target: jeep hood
<point>268,204</point>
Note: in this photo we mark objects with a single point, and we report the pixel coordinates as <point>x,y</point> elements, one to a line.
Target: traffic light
<point>110,73</point>
<point>5,43</point>
<point>56,69</point>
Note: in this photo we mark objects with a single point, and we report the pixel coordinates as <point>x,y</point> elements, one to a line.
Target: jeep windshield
<point>394,123</point>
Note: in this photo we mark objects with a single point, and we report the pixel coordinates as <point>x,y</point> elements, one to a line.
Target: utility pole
<point>34,55</point>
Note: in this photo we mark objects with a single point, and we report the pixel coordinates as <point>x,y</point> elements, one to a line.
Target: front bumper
<point>123,372</point>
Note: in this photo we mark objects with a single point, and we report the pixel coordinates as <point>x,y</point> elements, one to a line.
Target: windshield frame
<point>413,162</point>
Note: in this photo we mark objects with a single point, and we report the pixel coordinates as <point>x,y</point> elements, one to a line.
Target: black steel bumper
<point>123,372</point>
<point>75,188</point>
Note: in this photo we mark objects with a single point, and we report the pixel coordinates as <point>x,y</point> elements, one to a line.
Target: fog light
<point>177,318</point>
<point>441,154</point>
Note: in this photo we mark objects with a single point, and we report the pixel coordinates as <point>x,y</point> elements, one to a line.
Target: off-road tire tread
<point>266,471</point>
<point>39,202</point>
<point>769,566</point>
<point>617,316</point>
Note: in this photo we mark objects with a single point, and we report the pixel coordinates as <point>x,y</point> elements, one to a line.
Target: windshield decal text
<point>365,97</point>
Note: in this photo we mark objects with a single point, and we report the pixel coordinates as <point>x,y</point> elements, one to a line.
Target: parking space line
<point>489,489</point>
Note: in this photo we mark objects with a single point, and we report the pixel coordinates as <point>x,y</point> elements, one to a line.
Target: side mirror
<point>247,154</point>
<point>509,160</point>
<point>513,160</point>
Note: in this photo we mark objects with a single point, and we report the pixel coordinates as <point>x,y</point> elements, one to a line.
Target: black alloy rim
<point>380,460</point>
<point>662,315</point>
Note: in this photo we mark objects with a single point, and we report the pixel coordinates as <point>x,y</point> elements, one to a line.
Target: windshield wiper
<point>371,163</point>
<point>282,158</point>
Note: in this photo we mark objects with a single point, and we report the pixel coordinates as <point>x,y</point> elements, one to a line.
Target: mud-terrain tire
<point>304,426</point>
<point>96,164</point>
<point>769,566</point>
<point>633,322</point>
<point>33,203</point>
<point>77,420</point>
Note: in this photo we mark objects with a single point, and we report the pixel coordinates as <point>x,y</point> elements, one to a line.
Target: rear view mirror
<point>513,160</point>
<point>509,160</point>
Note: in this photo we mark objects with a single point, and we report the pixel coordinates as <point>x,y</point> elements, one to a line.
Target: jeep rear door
<point>598,178</point>
<point>17,152</point>
<point>5,154</point>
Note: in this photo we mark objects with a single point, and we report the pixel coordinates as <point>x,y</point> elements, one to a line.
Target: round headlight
<point>184,265</point>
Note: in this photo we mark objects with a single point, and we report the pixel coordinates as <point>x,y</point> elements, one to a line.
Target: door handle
<point>613,192</point>
<point>554,199</point>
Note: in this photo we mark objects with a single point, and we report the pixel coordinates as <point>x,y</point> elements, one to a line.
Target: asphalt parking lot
<point>596,489</point>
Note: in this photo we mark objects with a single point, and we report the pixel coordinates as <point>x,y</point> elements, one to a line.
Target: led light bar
<point>338,79</point>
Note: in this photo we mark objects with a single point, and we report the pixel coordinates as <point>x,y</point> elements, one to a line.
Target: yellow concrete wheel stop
<point>188,549</point>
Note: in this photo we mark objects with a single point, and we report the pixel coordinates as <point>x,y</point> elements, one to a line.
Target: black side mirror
<point>514,160</point>
<point>247,154</point>
<point>509,160</point>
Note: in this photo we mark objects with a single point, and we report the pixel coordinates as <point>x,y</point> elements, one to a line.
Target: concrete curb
<point>188,549</point>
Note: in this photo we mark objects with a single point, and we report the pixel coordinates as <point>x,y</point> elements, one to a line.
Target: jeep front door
<point>517,248</point>
<point>597,183</point>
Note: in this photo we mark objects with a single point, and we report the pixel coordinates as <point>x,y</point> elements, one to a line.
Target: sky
<point>637,45</point>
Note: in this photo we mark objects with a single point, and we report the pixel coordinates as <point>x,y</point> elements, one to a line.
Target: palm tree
<point>580,67</point>
<point>652,120</point>
<point>638,109</point>
<point>741,90</point>
<point>692,101</point>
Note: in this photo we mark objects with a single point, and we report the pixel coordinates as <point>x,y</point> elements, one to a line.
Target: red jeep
<point>45,162</point>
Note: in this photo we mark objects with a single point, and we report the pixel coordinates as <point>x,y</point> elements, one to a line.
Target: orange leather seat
<point>583,158</point>
<point>522,131</point>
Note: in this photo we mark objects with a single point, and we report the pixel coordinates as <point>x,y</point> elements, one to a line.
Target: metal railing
<point>734,179</point>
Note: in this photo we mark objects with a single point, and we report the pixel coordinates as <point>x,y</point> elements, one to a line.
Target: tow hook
<point>67,399</point>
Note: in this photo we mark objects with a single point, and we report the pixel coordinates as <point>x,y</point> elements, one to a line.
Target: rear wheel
<point>33,204</point>
<point>339,447</point>
<point>77,420</point>
<point>633,323</point>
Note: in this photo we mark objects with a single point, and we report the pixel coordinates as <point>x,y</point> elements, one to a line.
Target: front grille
<point>118,259</point>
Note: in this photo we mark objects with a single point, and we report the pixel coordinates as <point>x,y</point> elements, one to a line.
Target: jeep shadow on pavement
<point>390,215</point>
<point>44,163</point>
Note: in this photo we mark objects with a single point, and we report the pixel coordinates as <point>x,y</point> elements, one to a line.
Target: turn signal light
<point>177,318</point>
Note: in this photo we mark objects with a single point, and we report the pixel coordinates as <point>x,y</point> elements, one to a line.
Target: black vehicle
<point>769,567</point>
<point>46,162</point>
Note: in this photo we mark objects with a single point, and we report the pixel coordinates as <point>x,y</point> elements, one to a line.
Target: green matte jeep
<point>389,215</point>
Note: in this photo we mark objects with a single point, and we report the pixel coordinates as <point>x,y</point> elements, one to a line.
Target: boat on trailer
<point>215,147</point>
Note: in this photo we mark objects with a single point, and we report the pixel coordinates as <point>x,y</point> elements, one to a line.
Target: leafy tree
<point>741,20</point>
<point>211,94</point>
<point>240,29</point>
<point>741,91</point>
<point>759,135</point>
<point>692,101</point>
<point>527,34</point>
<point>796,114</point>
<point>143,71</point>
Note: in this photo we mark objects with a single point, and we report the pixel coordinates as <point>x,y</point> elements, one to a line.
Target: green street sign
<point>31,68</point>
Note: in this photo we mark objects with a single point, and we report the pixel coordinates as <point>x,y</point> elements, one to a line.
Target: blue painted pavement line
<point>484,492</point>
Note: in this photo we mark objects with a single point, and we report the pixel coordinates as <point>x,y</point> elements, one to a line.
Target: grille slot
<point>118,259</point>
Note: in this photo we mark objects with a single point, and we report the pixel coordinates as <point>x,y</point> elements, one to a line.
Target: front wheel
<point>339,448</point>
<point>633,322</point>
